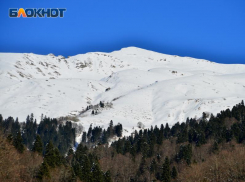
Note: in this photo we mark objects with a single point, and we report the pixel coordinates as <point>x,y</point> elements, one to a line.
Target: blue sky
<point>208,29</point>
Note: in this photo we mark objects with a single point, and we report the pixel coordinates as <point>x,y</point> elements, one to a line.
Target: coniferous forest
<point>210,148</point>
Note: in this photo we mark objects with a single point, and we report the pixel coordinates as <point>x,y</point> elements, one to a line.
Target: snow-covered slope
<point>145,86</point>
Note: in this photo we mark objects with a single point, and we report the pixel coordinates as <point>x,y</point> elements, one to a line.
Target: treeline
<point>62,135</point>
<point>226,126</point>
<point>193,131</point>
<point>97,135</point>
<point>55,142</point>
<point>155,154</point>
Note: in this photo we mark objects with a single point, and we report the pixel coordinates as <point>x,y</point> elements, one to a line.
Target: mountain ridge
<point>143,86</point>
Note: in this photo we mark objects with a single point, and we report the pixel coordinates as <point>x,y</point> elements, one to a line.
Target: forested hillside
<point>208,149</point>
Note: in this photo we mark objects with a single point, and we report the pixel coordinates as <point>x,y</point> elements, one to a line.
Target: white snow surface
<point>145,86</point>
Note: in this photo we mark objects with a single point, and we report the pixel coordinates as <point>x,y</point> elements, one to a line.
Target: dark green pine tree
<point>89,134</point>
<point>144,148</point>
<point>77,169</point>
<point>104,137</point>
<point>102,104</point>
<point>133,152</point>
<point>84,137</point>
<point>118,130</point>
<point>174,173</point>
<point>153,166</point>
<point>166,175</point>
<point>86,169</point>
<point>166,131</point>
<point>15,128</point>
<point>52,155</point>
<point>160,135</point>
<point>127,146</point>
<point>185,152</point>
<point>81,164</point>
<point>111,129</point>
<point>96,173</point>
<point>142,167</point>
<point>228,135</point>
<point>38,145</point>
<point>152,137</point>
<point>58,160</point>
<point>43,171</point>
<point>119,146</point>
<point>182,136</point>
<point>18,143</point>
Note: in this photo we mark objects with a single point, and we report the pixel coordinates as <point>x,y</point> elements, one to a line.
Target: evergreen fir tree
<point>185,152</point>
<point>104,138</point>
<point>166,131</point>
<point>160,137</point>
<point>133,152</point>
<point>102,104</point>
<point>166,176</point>
<point>89,134</point>
<point>84,137</point>
<point>119,146</point>
<point>144,148</point>
<point>50,155</point>
<point>111,129</point>
<point>18,143</point>
<point>150,150</point>
<point>228,135</point>
<point>127,147</point>
<point>118,130</point>
<point>86,169</point>
<point>153,166</point>
<point>174,173</point>
<point>43,171</point>
<point>38,145</point>
<point>142,167</point>
<point>15,128</point>
<point>58,159</point>
<point>204,116</point>
<point>96,173</point>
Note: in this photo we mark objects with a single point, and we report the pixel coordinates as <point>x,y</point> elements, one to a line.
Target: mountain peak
<point>133,50</point>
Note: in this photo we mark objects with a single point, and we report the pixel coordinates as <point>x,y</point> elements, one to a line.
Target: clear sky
<point>208,29</point>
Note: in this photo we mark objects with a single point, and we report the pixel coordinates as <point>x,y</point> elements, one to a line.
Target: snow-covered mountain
<point>142,86</point>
